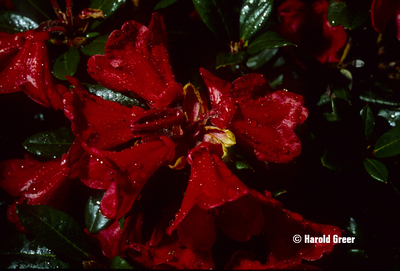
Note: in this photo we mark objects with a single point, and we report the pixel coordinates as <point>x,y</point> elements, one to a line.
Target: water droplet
<point>252,123</point>
<point>302,118</point>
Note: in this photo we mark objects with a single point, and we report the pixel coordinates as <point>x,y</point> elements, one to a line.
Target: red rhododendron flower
<point>264,121</point>
<point>163,251</point>
<point>308,27</point>
<point>29,69</point>
<point>136,59</point>
<point>280,225</point>
<point>384,10</point>
<point>100,123</point>
<point>128,171</point>
<point>34,182</point>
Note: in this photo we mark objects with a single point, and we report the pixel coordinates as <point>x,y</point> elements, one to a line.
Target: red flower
<point>28,70</point>
<point>136,59</point>
<point>384,10</point>
<point>264,121</point>
<point>100,123</point>
<point>34,182</point>
<point>215,197</point>
<point>308,27</point>
<point>125,173</point>
<point>163,251</point>
<point>280,225</point>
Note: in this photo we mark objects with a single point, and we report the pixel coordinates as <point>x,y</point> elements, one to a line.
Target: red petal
<point>382,11</point>
<point>100,123</point>
<point>10,44</point>
<point>197,231</point>
<point>132,167</point>
<point>308,27</point>
<point>250,86</point>
<point>35,182</point>
<point>156,119</point>
<point>267,124</point>
<point>29,71</point>
<point>280,227</point>
<point>211,185</point>
<point>136,60</point>
<point>222,107</point>
<point>242,219</point>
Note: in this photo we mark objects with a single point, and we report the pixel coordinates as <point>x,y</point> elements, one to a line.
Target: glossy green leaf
<point>96,47</point>
<point>67,63</point>
<point>94,219</point>
<point>368,121</point>
<point>118,263</point>
<point>215,15</point>
<point>342,93</point>
<point>392,116</point>
<point>50,144</point>
<point>12,22</point>
<point>92,35</point>
<point>55,230</point>
<point>324,99</point>
<point>388,144</point>
<point>253,16</point>
<point>376,169</point>
<point>164,3</point>
<point>340,13</point>
<point>370,97</point>
<point>267,40</point>
<point>261,58</point>
<point>114,96</point>
<point>227,58</point>
<point>109,7</point>
<point>37,10</point>
<point>17,252</point>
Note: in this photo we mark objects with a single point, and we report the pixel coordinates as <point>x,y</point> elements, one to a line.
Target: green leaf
<point>215,15</point>
<point>253,16</point>
<point>17,252</point>
<point>37,10</point>
<point>268,40</point>
<point>261,58</point>
<point>392,116</point>
<point>368,121</point>
<point>55,230</point>
<point>121,222</point>
<point>370,97</point>
<point>342,93</point>
<point>92,35</point>
<point>376,169</point>
<point>339,13</point>
<point>109,7</point>
<point>113,96</point>
<point>164,3</point>
<point>50,144</point>
<point>347,74</point>
<point>228,58</point>
<point>388,144</point>
<point>67,63</point>
<point>324,99</point>
<point>118,263</point>
<point>94,219</point>
<point>96,47</point>
<point>12,22</point>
